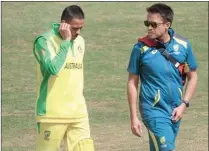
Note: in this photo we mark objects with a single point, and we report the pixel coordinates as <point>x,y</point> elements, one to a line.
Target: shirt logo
<point>78,51</point>
<point>154,51</point>
<point>162,140</point>
<point>47,134</point>
<point>75,65</point>
<point>176,47</point>
<point>163,146</point>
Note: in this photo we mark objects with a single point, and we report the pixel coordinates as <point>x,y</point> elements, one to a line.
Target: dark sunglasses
<point>153,24</point>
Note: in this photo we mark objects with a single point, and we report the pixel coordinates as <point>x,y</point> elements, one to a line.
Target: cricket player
<point>61,111</point>
<point>161,100</point>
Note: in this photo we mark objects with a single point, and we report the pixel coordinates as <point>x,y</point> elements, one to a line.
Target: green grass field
<point>111,29</point>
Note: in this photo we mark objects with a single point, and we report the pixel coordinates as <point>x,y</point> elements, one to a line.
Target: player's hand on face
<point>136,127</point>
<point>178,112</point>
<point>65,32</point>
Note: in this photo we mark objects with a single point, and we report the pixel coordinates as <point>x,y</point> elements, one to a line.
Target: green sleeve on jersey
<point>51,61</point>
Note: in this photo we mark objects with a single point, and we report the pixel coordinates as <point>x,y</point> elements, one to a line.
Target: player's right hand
<point>65,32</point>
<point>136,127</point>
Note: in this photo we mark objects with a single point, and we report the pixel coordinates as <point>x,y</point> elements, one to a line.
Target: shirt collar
<point>171,32</point>
<point>55,28</point>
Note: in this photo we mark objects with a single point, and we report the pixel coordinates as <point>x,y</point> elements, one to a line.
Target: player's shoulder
<point>43,36</point>
<point>80,39</point>
<point>181,40</point>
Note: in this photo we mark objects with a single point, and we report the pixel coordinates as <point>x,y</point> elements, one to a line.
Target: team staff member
<point>161,101</point>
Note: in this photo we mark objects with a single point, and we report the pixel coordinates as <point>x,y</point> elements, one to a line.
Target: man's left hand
<point>178,112</point>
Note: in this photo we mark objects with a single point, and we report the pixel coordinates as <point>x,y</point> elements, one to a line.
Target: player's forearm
<point>132,99</point>
<point>190,87</point>
<point>55,65</point>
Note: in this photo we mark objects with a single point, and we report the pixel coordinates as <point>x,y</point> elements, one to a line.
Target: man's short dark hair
<point>164,10</point>
<point>73,11</point>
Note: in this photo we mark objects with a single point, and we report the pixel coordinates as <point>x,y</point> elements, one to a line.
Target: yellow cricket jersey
<point>60,78</point>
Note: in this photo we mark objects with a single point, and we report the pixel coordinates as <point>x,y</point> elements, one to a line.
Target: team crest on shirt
<point>162,140</point>
<point>47,134</point>
<point>176,47</point>
<point>154,51</point>
<point>78,51</point>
